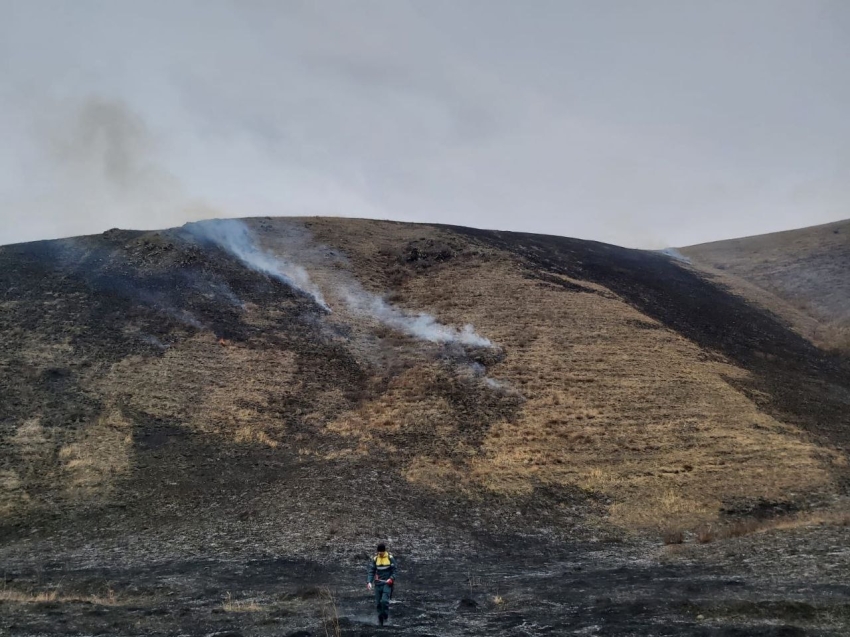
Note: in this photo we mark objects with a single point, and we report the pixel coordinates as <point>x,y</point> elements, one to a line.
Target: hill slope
<point>807,269</point>
<point>151,366</point>
<point>299,387</point>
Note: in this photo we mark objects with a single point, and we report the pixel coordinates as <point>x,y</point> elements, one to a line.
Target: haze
<point>644,124</point>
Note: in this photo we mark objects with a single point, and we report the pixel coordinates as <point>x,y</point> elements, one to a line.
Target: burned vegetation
<point>193,417</point>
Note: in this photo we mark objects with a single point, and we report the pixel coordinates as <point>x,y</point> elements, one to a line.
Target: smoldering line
<point>235,237</point>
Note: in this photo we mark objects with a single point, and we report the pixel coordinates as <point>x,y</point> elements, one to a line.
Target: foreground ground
<point>778,584</point>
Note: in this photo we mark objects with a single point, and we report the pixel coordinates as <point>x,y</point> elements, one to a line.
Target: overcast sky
<point>647,124</point>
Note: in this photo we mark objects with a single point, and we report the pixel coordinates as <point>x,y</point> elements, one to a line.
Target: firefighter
<point>382,572</point>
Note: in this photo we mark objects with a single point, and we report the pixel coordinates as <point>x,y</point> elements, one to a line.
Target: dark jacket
<point>381,572</point>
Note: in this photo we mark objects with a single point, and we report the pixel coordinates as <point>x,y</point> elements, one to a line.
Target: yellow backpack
<point>383,560</point>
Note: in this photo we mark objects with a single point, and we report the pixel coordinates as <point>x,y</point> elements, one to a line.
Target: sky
<point>647,124</point>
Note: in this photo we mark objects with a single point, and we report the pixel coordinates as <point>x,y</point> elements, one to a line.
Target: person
<point>381,579</point>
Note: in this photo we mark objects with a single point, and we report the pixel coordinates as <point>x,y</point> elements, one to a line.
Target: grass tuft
<point>673,536</point>
<point>10,595</point>
<point>330,614</point>
<point>706,534</point>
<point>232,605</point>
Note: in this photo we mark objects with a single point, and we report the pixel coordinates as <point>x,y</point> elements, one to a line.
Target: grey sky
<point>641,123</point>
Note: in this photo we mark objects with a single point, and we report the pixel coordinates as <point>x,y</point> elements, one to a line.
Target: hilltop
<point>805,271</point>
<point>273,390</point>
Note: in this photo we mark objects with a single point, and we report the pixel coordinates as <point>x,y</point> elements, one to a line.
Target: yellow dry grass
<point>98,457</point>
<point>717,532</point>
<point>330,614</point>
<point>210,388</point>
<point>232,605</point>
<point>613,403</point>
<point>639,414</point>
<point>12,496</point>
<point>807,519</point>
<point>29,436</point>
<point>632,413</point>
<point>13,596</point>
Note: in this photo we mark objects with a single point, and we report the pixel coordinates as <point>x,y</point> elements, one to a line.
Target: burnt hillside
<point>149,366</point>
<point>790,376</point>
<point>806,270</point>
<point>298,387</point>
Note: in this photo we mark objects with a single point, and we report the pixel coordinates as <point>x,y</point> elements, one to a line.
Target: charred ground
<point>176,426</point>
<point>803,274</point>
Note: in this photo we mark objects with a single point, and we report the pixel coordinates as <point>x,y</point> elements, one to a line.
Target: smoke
<point>420,325</point>
<point>222,290</point>
<point>478,372</point>
<point>674,254</point>
<point>236,238</point>
<point>87,165</point>
<point>154,341</point>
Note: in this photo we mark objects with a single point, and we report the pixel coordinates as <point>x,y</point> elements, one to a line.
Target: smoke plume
<point>420,325</point>
<point>236,238</point>
<point>88,165</point>
<point>674,254</point>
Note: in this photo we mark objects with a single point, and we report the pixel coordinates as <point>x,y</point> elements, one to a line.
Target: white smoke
<point>479,372</point>
<point>674,254</point>
<point>420,325</point>
<point>153,340</point>
<point>494,384</point>
<point>236,238</point>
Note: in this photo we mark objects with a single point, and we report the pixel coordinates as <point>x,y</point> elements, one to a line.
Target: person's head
<point>382,548</point>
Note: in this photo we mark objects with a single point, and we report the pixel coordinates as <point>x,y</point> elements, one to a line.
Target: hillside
<point>806,270</point>
<point>293,389</point>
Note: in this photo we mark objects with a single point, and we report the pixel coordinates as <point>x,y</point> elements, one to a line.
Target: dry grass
<point>98,457</point>
<point>247,435</point>
<point>749,526</point>
<point>19,597</point>
<point>634,414</point>
<point>817,518</point>
<point>330,614</point>
<point>212,389</point>
<point>743,527</point>
<point>711,532</point>
<point>639,415</point>
<point>10,595</point>
<point>706,534</point>
<point>232,605</point>
<point>673,536</point>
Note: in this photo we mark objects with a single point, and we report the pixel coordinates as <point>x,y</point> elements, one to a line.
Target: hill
<point>293,389</point>
<point>806,270</point>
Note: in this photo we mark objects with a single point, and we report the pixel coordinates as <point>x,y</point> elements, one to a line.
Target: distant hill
<point>266,382</point>
<point>809,269</point>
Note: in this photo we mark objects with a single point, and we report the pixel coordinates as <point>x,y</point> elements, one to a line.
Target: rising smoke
<point>478,373</point>
<point>420,325</point>
<point>90,165</point>
<point>236,238</point>
<point>674,254</point>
